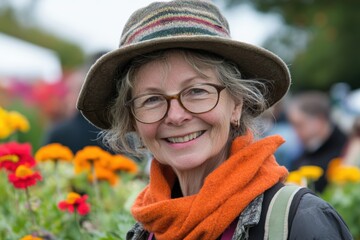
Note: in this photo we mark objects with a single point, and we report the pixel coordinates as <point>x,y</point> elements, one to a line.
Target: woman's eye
<point>152,100</point>
<point>196,91</point>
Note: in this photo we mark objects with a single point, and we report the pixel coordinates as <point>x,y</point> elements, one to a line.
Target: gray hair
<point>121,137</point>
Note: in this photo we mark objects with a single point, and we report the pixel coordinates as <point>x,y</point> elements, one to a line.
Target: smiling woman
<point>191,94</point>
<point>197,122</point>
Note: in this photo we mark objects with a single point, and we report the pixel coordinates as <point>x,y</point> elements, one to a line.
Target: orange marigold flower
<point>54,152</point>
<point>75,202</point>
<point>90,156</point>
<point>105,175</point>
<point>30,237</point>
<point>24,177</point>
<point>333,167</point>
<point>14,154</point>
<point>122,163</point>
<point>311,172</point>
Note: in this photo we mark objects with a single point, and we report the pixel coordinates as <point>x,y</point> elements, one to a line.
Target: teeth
<point>185,138</point>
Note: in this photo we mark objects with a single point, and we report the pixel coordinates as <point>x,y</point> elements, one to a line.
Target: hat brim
<point>99,88</point>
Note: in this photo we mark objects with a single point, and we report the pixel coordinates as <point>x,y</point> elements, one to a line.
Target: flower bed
<point>57,194</point>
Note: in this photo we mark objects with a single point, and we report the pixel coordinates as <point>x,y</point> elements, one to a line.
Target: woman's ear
<point>236,113</point>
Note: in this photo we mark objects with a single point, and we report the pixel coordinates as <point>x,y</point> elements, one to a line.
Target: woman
<point>191,93</point>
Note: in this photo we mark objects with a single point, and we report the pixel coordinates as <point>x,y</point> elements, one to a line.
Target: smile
<point>186,138</point>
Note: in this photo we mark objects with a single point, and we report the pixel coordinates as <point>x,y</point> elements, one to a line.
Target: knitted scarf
<point>248,172</point>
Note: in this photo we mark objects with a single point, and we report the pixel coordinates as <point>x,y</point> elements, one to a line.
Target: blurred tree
<point>71,55</point>
<point>320,39</point>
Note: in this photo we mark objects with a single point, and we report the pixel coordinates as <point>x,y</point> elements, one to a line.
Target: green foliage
<point>346,200</point>
<point>109,218</point>
<point>330,53</point>
<point>71,55</point>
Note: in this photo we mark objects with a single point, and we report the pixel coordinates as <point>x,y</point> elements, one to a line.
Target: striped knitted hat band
<point>171,21</point>
<point>188,24</point>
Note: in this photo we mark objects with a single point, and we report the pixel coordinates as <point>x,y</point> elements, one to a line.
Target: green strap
<point>276,223</point>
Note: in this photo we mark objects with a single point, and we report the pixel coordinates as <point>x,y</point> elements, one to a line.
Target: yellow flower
<point>18,121</point>
<point>5,131</point>
<point>12,121</point>
<point>312,173</point>
<point>294,177</point>
<point>346,174</point>
<point>30,237</point>
<point>54,152</point>
<point>122,163</point>
<point>5,128</point>
<point>90,156</point>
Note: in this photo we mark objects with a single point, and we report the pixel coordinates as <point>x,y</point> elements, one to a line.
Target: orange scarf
<point>249,171</point>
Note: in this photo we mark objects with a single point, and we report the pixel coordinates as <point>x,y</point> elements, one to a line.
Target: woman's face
<point>182,139</point>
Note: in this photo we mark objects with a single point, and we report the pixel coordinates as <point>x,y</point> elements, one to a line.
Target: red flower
<point>14,154</point>
<point>75,202</point>
<point>24,177</point>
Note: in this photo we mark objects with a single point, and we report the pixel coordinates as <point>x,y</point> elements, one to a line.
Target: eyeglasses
<point>198,98</point>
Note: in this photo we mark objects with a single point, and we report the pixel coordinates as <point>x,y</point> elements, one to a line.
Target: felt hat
<point>189,24</point>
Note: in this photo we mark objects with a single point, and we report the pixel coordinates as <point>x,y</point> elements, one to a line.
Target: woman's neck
<point>192,180</point>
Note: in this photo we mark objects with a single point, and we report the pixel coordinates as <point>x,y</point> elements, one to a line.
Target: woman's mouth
<point>186,138</point>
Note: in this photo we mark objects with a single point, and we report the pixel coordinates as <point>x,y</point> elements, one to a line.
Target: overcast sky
<point>97,25</point>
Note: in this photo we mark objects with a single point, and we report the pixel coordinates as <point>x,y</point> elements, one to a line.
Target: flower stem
<point>77,223</point>
<point>83,233</point>
<point>96,185</point>
<point>14,137</point>
<point>57,179</point>
<point>32,213</point>
<point>97,193</point>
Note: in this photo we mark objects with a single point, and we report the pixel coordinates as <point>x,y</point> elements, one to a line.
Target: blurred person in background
<point>352,150</point>
<point>310,114</point>
<point>75,131</point>
<point>275,121</point>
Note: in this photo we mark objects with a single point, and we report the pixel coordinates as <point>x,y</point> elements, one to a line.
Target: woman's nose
<point>176,114</point>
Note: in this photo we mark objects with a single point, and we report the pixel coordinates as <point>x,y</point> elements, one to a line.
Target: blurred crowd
<point>318,127</point>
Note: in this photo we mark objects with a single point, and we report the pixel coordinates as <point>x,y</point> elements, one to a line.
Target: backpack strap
<point>295,204</point>
<point>277,217</point>
<point>257,232</point>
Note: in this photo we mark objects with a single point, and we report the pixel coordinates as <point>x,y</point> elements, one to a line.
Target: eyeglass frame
<point>177,96</point>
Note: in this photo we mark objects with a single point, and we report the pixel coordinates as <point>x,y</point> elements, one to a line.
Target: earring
<point>237,123</point>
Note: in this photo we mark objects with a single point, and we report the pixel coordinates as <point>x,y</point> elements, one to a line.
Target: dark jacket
<point>332,148</point>
<point>75,133</point>
<point>314,219</point>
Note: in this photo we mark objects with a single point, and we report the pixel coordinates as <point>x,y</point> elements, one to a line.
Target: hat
<point>189,24</point>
